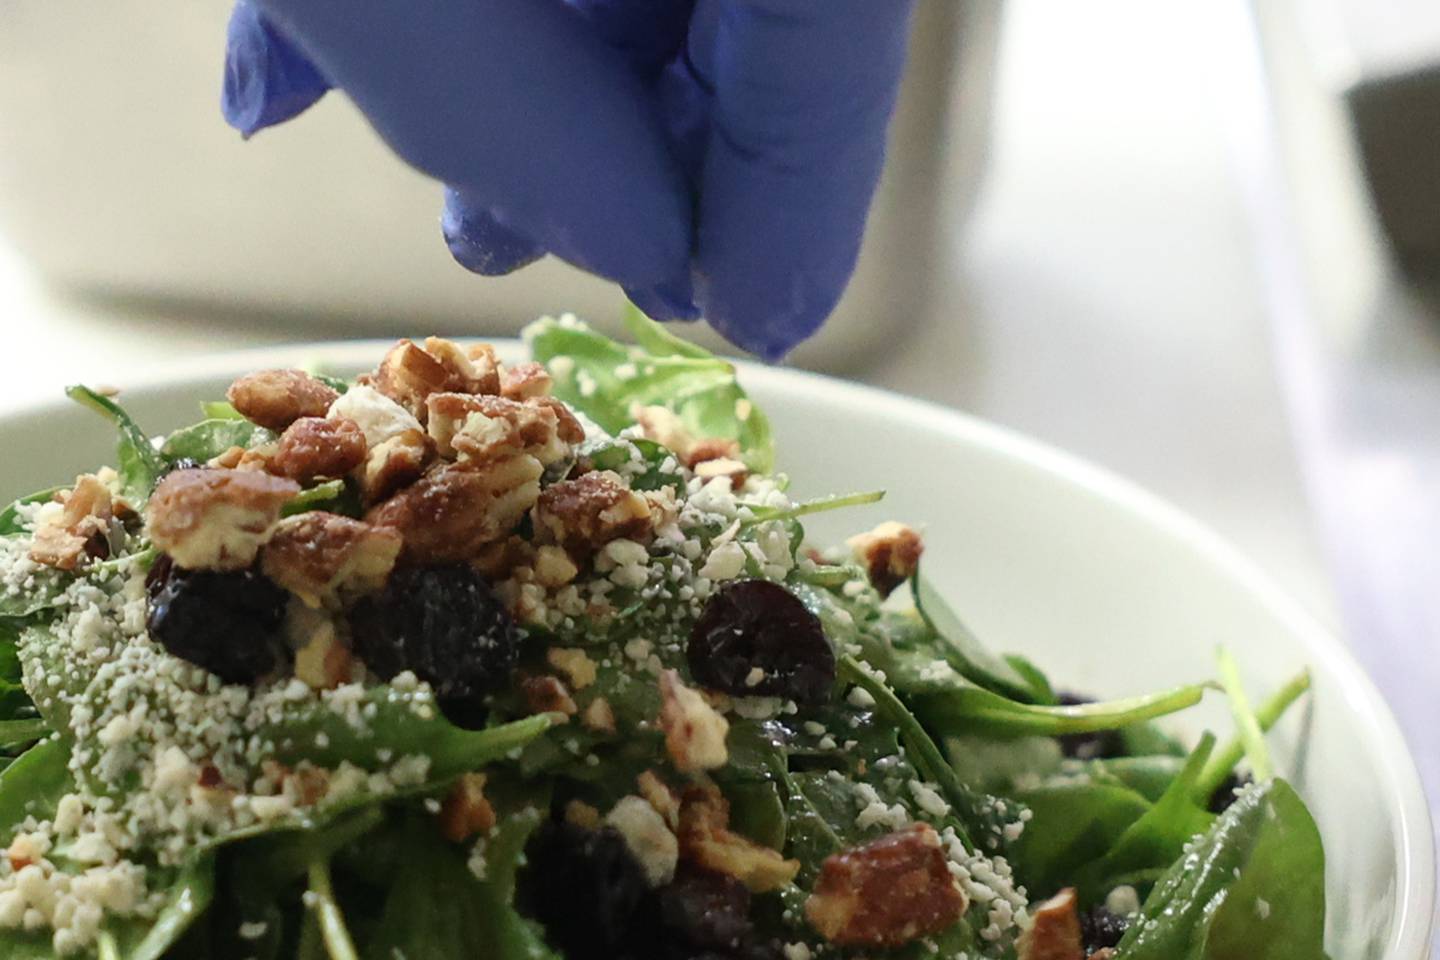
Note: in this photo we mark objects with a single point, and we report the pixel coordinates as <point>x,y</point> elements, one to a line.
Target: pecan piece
<point>316,447</point>
<point>322,660</point>
<point>393,464</point>
<point>466,811</point>
<point>1054,932</point>
<point>887,892</point>
<point>706,840</point>
<point>409,373</point>
<point>277,398</point>
<point>525,380</point>
<point>590,511</point>
<point>548,695</point>
<point>210,519</point>
<point>481,428</point>
<point>890,553</point>
<point>455,509</point>
<point>78,529</point>
<point>326,559</point>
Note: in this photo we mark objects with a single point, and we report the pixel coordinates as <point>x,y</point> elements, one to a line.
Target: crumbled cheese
<point>647,837</point>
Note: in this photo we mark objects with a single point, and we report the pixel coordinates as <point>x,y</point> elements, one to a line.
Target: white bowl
<point>1108,588</point>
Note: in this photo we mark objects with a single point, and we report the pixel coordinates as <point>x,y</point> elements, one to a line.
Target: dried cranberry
<point>1224,795</point>
<point>705,910</point>
<point>447,626</point>
<point>229,622</point>
<point>751,624</point>
<point>584,887</point>
<point>1088,746</point>
<point>1099,928</point>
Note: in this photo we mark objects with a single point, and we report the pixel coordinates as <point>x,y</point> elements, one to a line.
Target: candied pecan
<point>322,659</point>
<point>1054,932</point>
<point>887,892</point>
<point>706,840</point>
<point>326,559</point>
<point>574,663</point>
<point>277,398</point>
<point>525,380</point>
<point>590,511</point>
<point>694,731</point>
<point>567,424</point>
<point>209,519</point>
<point>660,796</point>
<point>455,509</point>
<point>78,529</point>
<point>734,470</point>
<point>598,716</point>
<point>394,463</point>
<point>504,558</point>
<point>485,427</point>
<point>711,448</point>
<point>890,552</point>
<point>547,695</point>
<point>409,373</point>
<point>664,427</point>
<point>227,459</point>
<point>466,811</point>
<point>316,447</point>
<point>473,370</point>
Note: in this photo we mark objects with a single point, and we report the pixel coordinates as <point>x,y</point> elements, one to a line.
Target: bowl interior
<point>1109,590</point>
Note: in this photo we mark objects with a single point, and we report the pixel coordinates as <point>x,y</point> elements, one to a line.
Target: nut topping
<point>210,519</point>
<point>316,447</point>
<point>1054,932</point>
<point>326,559</point>
<point>695,732</point>
<point>277,398</point>
<point>890,553</point>
<point>454,510</point>
<point>590,511</point>
<point>78,530</point>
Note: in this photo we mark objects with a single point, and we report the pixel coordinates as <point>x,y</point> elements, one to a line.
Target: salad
<point>535,662</point>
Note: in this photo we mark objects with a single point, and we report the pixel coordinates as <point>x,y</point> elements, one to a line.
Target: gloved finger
<point>480,242</point>
<point>521,108</point>
<point>803,94</point>
<point>672,300</point>
<point>648,32</point>
<point>267,79</point>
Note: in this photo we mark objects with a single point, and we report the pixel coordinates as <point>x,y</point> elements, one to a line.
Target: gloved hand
<point>715,157</point>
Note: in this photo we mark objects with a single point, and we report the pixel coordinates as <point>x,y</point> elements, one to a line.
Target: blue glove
<point>714,157</point>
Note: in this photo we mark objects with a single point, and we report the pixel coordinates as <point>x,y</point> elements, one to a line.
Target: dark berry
<point>445,624</point>
<point>756,623</point>
<point>584,887</point>
<point>705,910</point>
<point>1088,746</point>
<point>1099,928</point>
<point>1224,794</point>
<point>229,622</point>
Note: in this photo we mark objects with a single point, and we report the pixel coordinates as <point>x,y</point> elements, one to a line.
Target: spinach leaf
<point>968,655</point>
<point>1071,825</point>
<point>333,930</point>
<point>436,908</point>
<point>1253,886</point>
<point>1157,838</point>
<point>332,495</point>
<point>14,700</point>
<point>138,462</point>
<point>10,516</point>
<point>603,379</point>
<point>210,438</point>
<point>1247,726</point>
<point>219,410</point>
<point>16,732</point>
<point>818,505</point>
<point>1266,715</point>
<point>190,896</point>
<point>34,784</point>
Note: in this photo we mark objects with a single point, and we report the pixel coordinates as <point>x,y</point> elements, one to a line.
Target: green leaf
<point>657,339</point>
<point>1245,722</point>
<point>967,654</point>
<point>818,505</point>
<point>338,942</point>
<point>1253,888</point>
<point>1157,838</point>
<point>1071,825</point>
<point>219,410</point>
<point>138,462</point>
<point>34,784</point>
<point>190,896</point>
<point>209,438</point>
<point>332,495</point>
<point>604,380</point>
<point>10,516</point>
<point>13,732</point>
<point>1267,715</point>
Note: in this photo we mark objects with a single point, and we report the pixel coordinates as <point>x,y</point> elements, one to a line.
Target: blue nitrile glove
<point>715,157</point>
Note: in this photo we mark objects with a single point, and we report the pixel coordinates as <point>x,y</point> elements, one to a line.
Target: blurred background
<point>1192,240</point>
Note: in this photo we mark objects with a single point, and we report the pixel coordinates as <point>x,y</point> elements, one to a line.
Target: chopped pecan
<point>574,663</point>
<point>695,732</point>
<point>505,558</point>
<point>409,374</point>
<point>476,367</point>
<point>734,470</point>
<point>481,428</point>
<point>393,464</point>
<point>322,659</point>
<point>277,398</point>
<point>706,840</point>
<point>711,448</point>
<point>525,380</point>
<point>547,695</point>
<point>887,892</point>
<point>78,529</point>
<point>466,812</point>
<point>598,716</point>
<point>590,511</point>
<point>326,559</point>
<point>454,510</point>
<point>553,567</point>
<point>227,459</point>
<point>316,447</point>
<point>664,427</point>
<point>210,519</point>
<point>1054,932</point>
<point>890,552</point>
<point>567,424</point>
<point>660,796</point>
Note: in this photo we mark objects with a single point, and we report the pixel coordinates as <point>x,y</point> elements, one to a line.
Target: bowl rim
<point>1416,867</point>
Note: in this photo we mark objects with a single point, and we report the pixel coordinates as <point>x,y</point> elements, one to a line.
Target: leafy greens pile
<point>1030,789</point>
